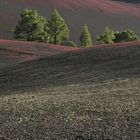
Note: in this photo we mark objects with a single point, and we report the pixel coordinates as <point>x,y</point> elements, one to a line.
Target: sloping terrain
<point>88,65</point>
<point>91,93</point>
<point>19,51</point>
<point>129,1</point>
<point>119,14</point>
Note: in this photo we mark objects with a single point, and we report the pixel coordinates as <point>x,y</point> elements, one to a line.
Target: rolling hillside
<point>99,63</point>
<point>12,52</point>
<point>119,14</point>
<point>90,93</point>
<point>51,92</point>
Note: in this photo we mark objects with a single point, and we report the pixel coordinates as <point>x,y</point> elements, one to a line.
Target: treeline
<point>110,36</point>
<point>33,27</point>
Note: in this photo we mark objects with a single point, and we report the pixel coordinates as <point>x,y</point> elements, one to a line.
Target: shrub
<point>125,36</point>
<point>110,36</point>
<point>107,37</point>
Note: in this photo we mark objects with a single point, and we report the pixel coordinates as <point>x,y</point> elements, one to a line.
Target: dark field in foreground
<point>108,111</point>
<point>91,92</point>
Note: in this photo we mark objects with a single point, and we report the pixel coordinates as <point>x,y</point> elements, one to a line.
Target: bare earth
<point>93,93</point>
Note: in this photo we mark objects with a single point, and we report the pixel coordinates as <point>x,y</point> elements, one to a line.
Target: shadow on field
<point>94,65</point>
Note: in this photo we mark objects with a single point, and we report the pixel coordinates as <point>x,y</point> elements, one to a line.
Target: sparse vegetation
<point>33,27</point>
<point>68,93</point>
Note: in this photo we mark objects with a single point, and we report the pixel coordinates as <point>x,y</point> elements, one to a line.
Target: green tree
<point>59,31</point>
<point>85,37</point>
<point>107,37</point>
<point>32,26</point>
<point>125,36</point>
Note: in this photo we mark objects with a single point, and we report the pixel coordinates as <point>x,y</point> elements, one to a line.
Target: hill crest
<point>96,14</point>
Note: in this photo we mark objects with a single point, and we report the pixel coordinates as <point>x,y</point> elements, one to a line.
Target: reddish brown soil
<point>123,44</point>
<point>108,6</point>
<point>19,51</point>
<point>97,14</point>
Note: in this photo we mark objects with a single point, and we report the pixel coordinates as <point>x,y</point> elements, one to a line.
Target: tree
<point>32,26</point>
<point>59,31</point>
<point>107,37</point>
<point>125,36</point>
<point>85,37</point>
